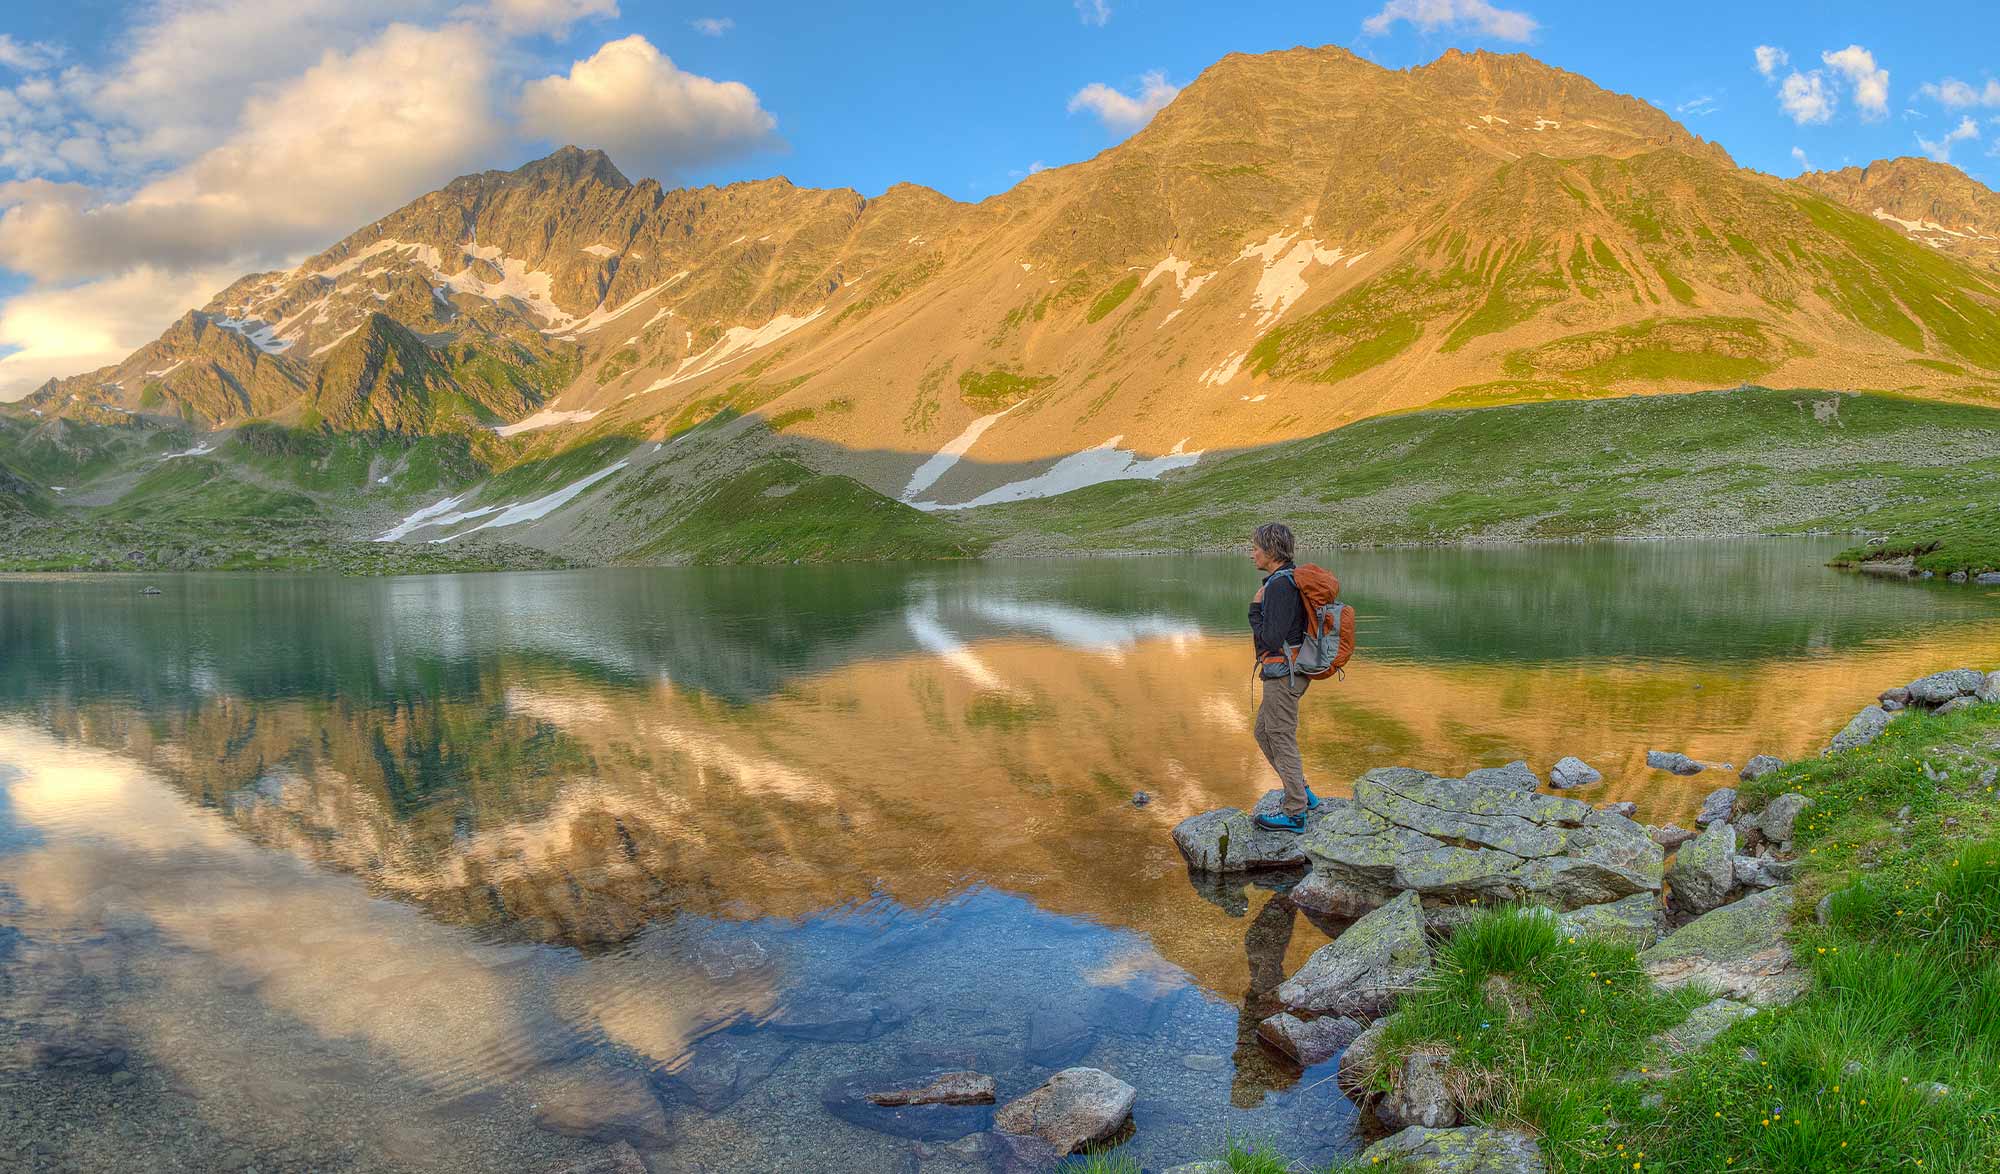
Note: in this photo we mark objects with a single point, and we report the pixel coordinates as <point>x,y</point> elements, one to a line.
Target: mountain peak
<point>572,164</point>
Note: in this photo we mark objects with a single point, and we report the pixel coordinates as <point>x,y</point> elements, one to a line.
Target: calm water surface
<point>485,872</point>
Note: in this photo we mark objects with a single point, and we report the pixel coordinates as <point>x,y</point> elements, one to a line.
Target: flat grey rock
<point>1764,872</point>
<point>1760,766</point>
<point>1228,840</point>
<point>1702,1025</point>
<point>1780,816</point>
<point>1738,951</point>
<point>1719,807</point>
<point>1703,870</point>
<point>1634,921</point>
<point>1673,761</point>
<point>1309,1041</point>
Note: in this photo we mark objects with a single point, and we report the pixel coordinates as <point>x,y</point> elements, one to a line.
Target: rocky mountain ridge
<point>1300,240</point>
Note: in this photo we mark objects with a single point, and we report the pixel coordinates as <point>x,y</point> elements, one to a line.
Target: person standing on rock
<point>1278,622</point>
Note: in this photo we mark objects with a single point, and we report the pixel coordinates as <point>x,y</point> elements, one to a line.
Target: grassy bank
<point>1891,1061</point>
<point>1752,460</point>
<point>1946,541</point>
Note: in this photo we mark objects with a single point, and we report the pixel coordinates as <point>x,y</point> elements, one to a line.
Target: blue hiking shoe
<point>1312,800</point>
<point>1280,822</point>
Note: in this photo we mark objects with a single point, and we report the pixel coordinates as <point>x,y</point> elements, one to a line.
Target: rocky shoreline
<point>1413,856</point>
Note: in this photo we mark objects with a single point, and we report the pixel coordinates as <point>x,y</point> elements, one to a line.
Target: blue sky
<point>150,151</point>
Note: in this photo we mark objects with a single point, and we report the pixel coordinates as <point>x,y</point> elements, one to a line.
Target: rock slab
<point>1363,971</point>
<point>950,1088</point>
<point>1479,839</point>
<point>1702,1025</point>
<point>1760,766</point>
<point>1939,688</point>
<point>1739,951</point>
<point>1073,1108</point>
<point>1673,761</point>
<point>1228,840</point>
<point>1634,921</point>
<point>1719,807</point>
<point>1466,1150</point>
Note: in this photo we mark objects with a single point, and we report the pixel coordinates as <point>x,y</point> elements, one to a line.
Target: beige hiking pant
<point>1277,732</point>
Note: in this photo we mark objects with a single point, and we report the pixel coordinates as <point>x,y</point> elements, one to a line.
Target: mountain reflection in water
<point>423,857</point>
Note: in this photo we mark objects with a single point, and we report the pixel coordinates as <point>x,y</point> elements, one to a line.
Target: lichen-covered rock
<point>1421,1096</point>
<point>1702,1025</point>
<point>1764,872</point>
<point>1671,836</point>
<point>1703,870</point>
<point>1228,839</point>
<point>1865,728</point>
<point>1780,815</point>
<point>1465,1150</point>
<point>1939,688</point>
<point>1898,696</point>
<point>1364,970</point>
<point>1956,705</point>
<point>1321,893</point>
<point>1989,689</point>
<point>1573,772</point>
<point>1760,766</point>
<point>1634,920</point>
<point>1515,776</point>
<point>1719,807</point>
<point>1738,951</point>
<point>1070,1110</point>
<point>1674,761</point>
<point>1309,1041</point>
<point>1456,841</point>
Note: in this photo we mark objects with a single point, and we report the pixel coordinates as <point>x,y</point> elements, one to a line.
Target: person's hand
<point>1259,597</point>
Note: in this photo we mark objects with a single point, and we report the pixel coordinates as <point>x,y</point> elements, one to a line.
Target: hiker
<point>1278,620</point>
<point>1303,634</point>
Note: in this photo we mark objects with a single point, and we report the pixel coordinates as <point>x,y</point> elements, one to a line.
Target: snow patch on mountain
<point>541,507</point>
<point>1093,466</point>
<point>546,418</point>
<point>264,338</point>
<point>940,463</point>
<point>600,250</point>
<point>1224,371</point>
<point>735,341</point>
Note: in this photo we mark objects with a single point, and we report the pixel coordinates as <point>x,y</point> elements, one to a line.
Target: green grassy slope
<point>1716,462</point>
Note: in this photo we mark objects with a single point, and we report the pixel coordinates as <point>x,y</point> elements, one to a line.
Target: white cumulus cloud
<point>711,26</point>
<point>631,100</point>
<point>56,333</point>
<point>1769,59</point>
<point>1799,157</point>
<point>1870,82</point>
<point>1123,112</point>
<point>1477,16</point>
<point>27,55</point>
<point>1806,98</point>
<point>1940,150</point>
<point>1957,95</point>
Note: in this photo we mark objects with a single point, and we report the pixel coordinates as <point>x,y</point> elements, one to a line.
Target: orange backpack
<point>1329,638</point>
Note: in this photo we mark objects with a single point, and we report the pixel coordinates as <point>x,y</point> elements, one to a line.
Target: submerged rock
<point>1073,1108</point>
<point>1464,841</point>
<point>1939,688</point>
<point>1364,970</point>
<point>1309,1041</point>
<point>1738,951</point>
<point>1719,807</point>
<point>1573,772</point>
<point>1229,840</point>
<point>950,1088</point>
<point>1465,1150</point>
<point>1865,728</point>
<point>600,1104</point>
<point>1703,870</point>
<point>721,1068</point>
<point>1674,761</point>
<point>1058,1035</point>
<point>838,1016</point>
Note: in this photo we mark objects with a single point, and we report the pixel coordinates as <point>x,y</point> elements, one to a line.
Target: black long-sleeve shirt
<point>1279,618</point>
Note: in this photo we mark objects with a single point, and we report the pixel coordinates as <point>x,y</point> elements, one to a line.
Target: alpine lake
<point>491,872</point>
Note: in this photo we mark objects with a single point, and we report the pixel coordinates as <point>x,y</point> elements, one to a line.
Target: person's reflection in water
<point>1266,940</point>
